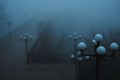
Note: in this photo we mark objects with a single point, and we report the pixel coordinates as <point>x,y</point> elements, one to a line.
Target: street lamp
<point>26,38</point>
<point>100,51</point>
<point>78,58</point>
<point>9,24</point>
<point>75,37</point>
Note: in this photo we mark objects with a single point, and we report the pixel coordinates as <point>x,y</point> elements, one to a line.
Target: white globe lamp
<point>114,46</point>
<point>82,46</point>
<point>98,37</point>
<point>101,50</point>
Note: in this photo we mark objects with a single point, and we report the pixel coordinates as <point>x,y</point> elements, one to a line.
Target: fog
<point>66,17</point>
<point>70,15</point>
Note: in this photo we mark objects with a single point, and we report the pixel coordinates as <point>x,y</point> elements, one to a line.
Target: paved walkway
<point>40,72</point>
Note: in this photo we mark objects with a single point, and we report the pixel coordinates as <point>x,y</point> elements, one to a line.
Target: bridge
<point>53,67</point>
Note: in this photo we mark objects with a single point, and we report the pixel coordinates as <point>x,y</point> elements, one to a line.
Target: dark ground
<point>39,72</point>
<point>108,71</point>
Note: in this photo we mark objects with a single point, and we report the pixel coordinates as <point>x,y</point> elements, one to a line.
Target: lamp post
<point>75,37</point>
<point>26,38</point>
<point>100,51</point>
<point>78,58</point>
<point>9,24</point>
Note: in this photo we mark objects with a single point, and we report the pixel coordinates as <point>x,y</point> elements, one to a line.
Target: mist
<point>50,22</point>
<point>79,15</point>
